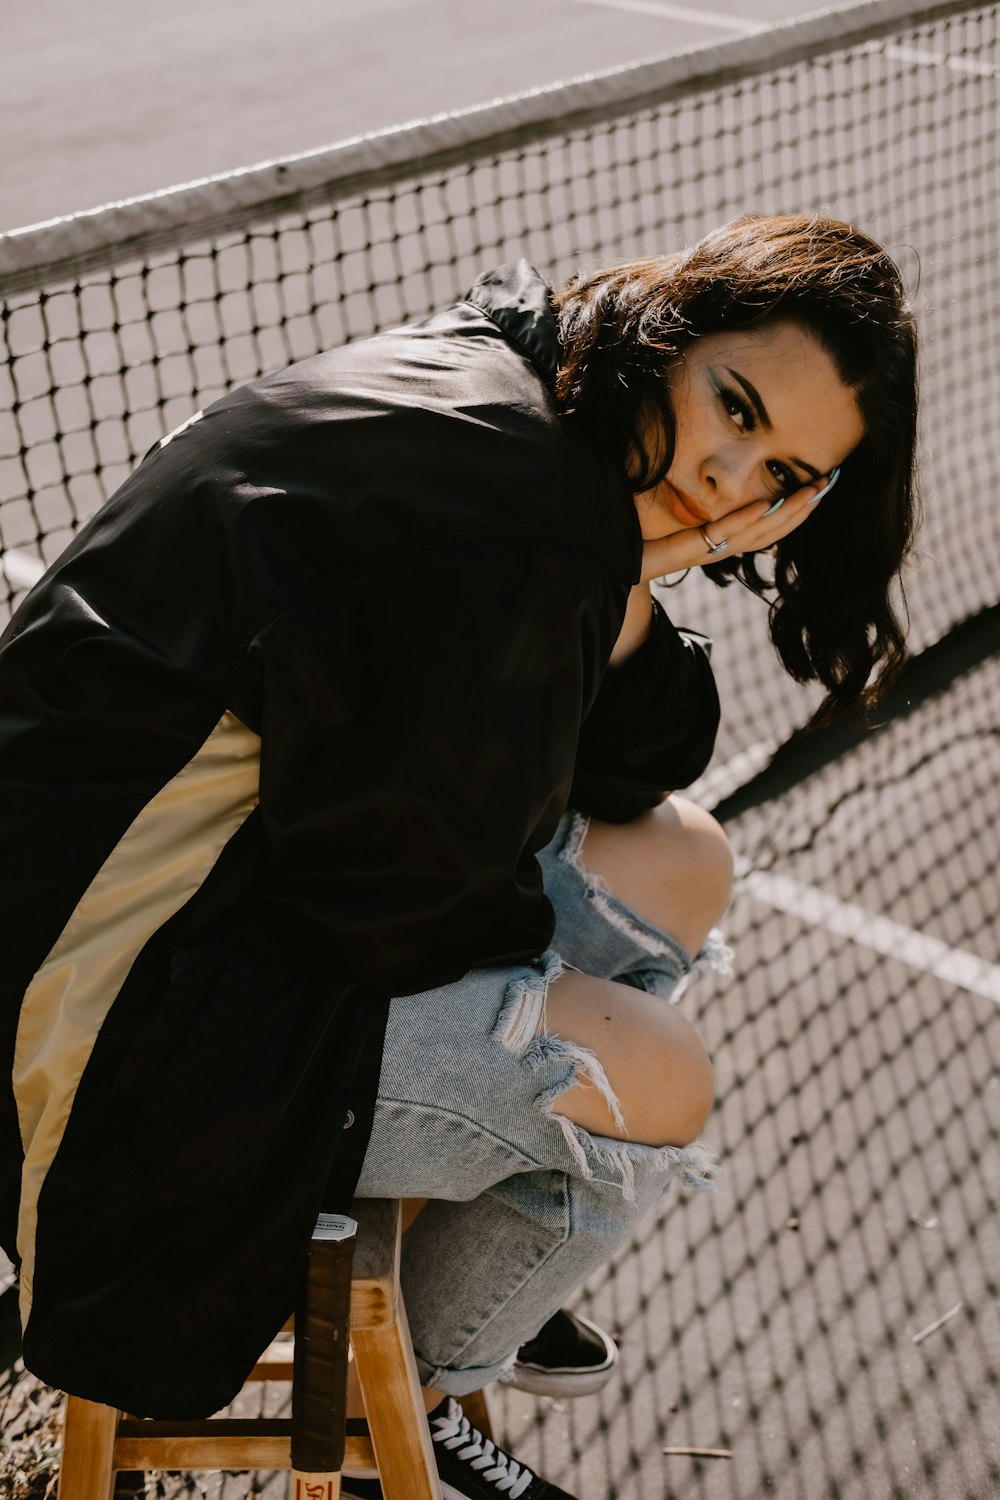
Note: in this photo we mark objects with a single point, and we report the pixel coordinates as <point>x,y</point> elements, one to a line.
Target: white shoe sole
<point>546,1380</point>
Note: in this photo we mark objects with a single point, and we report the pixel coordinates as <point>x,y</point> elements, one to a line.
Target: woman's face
<point>759,414</point>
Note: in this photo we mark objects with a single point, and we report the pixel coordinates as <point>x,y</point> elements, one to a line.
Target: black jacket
<point>280,734</point>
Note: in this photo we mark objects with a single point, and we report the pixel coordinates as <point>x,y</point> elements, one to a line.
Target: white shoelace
<point>455,1431</point>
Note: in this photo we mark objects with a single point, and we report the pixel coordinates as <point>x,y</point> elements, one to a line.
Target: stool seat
<point>99,1441</point>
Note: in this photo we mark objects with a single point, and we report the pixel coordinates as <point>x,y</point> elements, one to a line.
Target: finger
<point>743,525</point>
<point>785,514</point>
<point>741,529</point>
<point>758,526</point>
<point>809,494</point>
<point>677,552</point>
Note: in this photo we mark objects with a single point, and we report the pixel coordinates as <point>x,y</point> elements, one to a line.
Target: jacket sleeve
<point>652,727</point>
<point>418,739</point>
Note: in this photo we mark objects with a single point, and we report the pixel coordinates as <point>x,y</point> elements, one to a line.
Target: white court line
<point>722,21</point>
<point>881,934</point>
<point>927,59</point>
<point>719,781</point>
<point>670,12</point>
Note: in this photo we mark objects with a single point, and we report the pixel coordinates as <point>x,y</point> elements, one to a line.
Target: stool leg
<point>394,1404</point>
<point>87,1468</point>
<point>319,1390</point>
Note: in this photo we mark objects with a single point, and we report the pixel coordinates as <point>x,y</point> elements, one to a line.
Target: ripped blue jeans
<point>525,1204</point>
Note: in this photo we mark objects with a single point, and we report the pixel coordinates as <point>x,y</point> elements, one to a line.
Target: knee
<point>673,866</point>
<point>652,1057</point>
<point>695,848</point>
<point>677,1087</point>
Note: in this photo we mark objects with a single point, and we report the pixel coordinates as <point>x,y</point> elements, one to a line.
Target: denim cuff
<point>460,1383</point>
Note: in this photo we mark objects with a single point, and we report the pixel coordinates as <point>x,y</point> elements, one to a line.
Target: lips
<point>681,508</point>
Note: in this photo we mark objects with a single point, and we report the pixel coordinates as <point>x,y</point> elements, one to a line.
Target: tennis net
<point>118,324</point>
<point>858,1058</point>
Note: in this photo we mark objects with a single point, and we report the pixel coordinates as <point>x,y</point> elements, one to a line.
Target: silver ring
<point>713,547</point>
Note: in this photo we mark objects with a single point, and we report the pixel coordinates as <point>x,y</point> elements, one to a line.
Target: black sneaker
<point>570,1357</point>
<point>471,1467</point>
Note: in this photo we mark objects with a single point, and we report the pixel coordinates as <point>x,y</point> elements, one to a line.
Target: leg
<point>481,1277</point>
<point>673,866</point>
<point>536,1201</point>
<point>638,901</point>
<point>652,1058</point>
<point>673,869</point>
<point>540,1130</point>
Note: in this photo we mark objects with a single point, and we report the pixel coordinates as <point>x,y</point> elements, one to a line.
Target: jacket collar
<point>519,300</point>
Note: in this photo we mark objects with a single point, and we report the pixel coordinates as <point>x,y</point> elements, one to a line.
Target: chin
<point>656,522</point>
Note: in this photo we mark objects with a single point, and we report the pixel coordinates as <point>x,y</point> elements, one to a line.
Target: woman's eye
<point>785,481</point>
<point>735,408</point>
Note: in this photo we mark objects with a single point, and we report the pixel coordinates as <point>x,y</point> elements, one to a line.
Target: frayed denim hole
<point>619,1158</point>
<point>645,935</point>
<point>572,844</point>
<point>714,957</point>
<point>569,1062</point>
<point>695,1165</point>
<point>664,983</point>
<point>521,1017</point>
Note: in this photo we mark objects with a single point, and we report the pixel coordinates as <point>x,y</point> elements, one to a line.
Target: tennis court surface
<point>830,1317</point>
<point>857,1119</point>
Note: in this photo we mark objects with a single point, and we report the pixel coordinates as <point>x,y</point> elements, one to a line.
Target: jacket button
<point>350,1119</point>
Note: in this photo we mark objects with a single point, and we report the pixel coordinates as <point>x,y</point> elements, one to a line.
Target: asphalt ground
<point>857,1121</point>
<point>111,100</point>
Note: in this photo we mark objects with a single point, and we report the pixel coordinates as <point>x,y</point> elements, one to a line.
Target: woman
<point>742,381</point>
<point>356,692</point>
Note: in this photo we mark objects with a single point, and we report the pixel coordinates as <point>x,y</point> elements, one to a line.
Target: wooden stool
<point>99,1441</point>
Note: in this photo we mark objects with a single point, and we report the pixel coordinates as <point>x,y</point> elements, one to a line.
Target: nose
<point>729,482</point>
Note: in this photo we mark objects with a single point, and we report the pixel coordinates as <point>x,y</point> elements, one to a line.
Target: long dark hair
<point>832,617</point>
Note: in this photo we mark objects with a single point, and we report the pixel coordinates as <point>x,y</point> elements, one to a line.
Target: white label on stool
<point>334,1227</point>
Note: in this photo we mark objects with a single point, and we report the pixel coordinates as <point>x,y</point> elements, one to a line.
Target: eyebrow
<point>765,421</point>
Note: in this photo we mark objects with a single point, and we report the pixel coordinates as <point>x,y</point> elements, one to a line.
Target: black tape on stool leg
<point>319,1391</point>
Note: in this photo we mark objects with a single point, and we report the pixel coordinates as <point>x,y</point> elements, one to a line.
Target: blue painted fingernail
<point>776,506</point>
<point>834,476</point>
